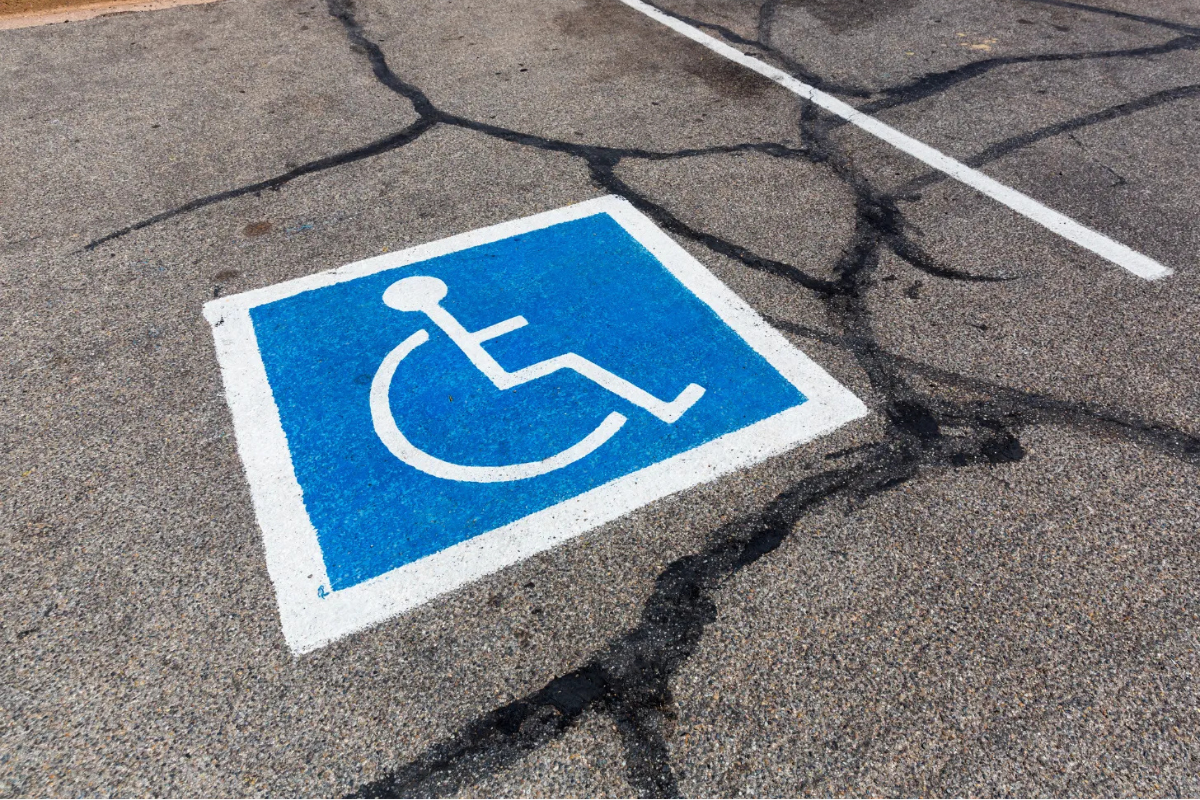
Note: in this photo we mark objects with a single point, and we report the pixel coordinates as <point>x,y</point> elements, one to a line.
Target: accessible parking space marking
<point>1108,249</point>
<point>414,421</point>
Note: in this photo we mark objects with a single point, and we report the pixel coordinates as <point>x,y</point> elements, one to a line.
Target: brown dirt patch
<point>28,13</point>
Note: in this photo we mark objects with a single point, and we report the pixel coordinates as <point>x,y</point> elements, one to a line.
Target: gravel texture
<point>985,587</point>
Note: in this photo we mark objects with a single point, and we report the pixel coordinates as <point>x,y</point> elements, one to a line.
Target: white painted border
<point>1108,249</point>
<point>293,555</point>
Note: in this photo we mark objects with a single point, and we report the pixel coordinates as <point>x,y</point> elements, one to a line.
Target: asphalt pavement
<point>986,586</point>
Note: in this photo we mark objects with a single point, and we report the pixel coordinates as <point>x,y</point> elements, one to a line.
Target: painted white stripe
<point>1098,243</point>
<point>499,329</point>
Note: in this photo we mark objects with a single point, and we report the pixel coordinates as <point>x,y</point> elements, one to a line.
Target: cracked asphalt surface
<point>986,587</point>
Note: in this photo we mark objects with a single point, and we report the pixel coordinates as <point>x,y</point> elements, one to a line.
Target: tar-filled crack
<point>1005,147</point>
<point>629,679</point>
<point>938,82</point>
<point>1111,12</point>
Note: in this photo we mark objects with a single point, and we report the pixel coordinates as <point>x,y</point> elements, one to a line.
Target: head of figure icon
<point>418,293</point>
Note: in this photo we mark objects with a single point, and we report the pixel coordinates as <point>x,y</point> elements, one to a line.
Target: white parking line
<point>1098,243</point>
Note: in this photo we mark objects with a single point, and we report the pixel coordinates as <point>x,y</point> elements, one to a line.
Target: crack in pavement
<point>998,150</point>
<point>1109,12</point>
<point>629,679</point>
<point>937,82</point>
<point>377,147</point>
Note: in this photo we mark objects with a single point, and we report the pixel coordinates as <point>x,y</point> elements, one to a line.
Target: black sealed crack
<point>386,144</point>
<point>629,678</point>
<point>1000,149</point>
<point>938,82</point>
<point>1109,12</point>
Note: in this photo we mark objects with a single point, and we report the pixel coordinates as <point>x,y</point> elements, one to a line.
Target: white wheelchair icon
<point>424,294</point>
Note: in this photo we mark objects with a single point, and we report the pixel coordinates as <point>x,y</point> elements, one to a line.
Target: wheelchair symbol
<point>424,294</point>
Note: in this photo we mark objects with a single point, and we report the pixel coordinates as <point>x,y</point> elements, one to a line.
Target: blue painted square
<point>586,287</point>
